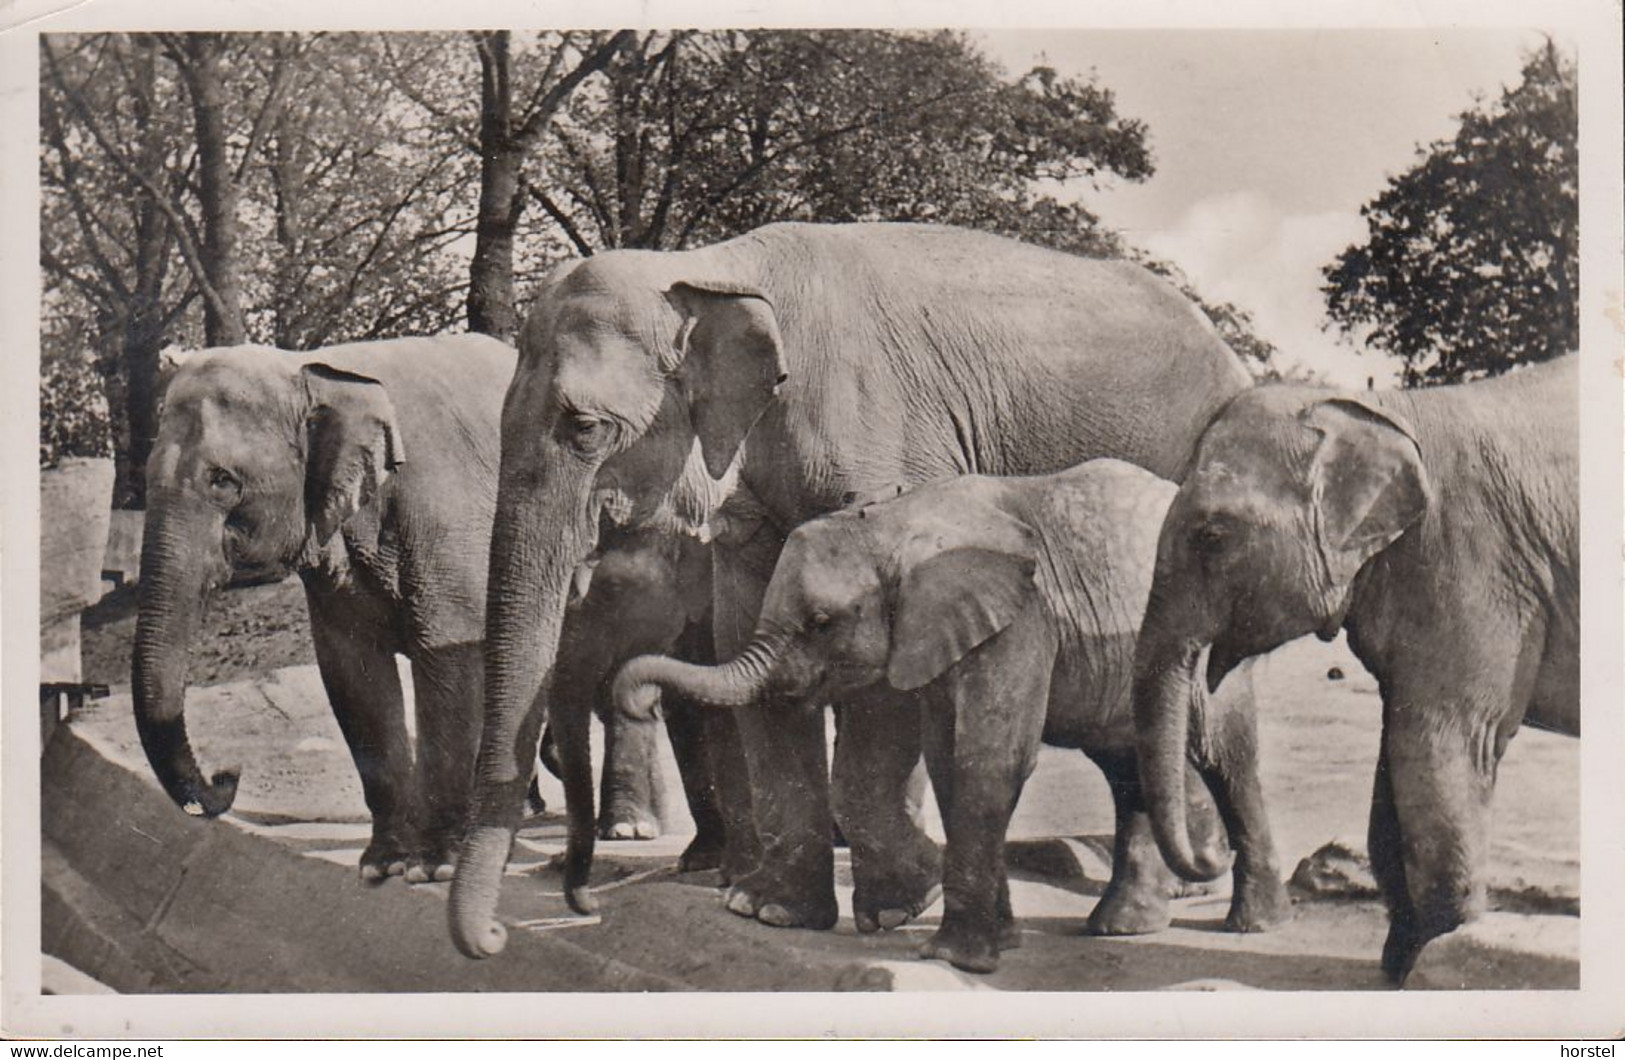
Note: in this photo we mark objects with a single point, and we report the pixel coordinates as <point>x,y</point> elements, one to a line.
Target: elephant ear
<point>957,587</point>
<point>1367,484</point>
<point>731,362</point>
<point>353,443</point>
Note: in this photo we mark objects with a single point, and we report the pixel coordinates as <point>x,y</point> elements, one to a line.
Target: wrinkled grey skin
<point>1010,606</point>
<point>817,361</point>
<point>1440,528</point>
<point>269,462</point>
<point>370,471</point>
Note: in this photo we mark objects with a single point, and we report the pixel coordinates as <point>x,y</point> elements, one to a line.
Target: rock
<point>1209,985</point>
<point>1340,869</point>
<point>1502,951</point>
<point>903,976</point>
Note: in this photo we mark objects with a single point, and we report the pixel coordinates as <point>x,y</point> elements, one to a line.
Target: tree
<point>507,136</point>
<point>1471,264</point>
<point>691,137</point>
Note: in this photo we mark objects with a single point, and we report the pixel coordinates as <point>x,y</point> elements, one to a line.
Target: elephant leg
<point>1258,898</point>
<point>896,868</point>
<point>445,681</point>
<point>793,884</point>
<point>1440,774</point>
<point>780,862</point>
<point>1136,898</point>
<point>632,787</point>
<point>356,658</point>
<point>937,738</point>
<point>999,700</point>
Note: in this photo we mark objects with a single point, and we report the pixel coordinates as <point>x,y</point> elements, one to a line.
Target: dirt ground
<point>265,712</point>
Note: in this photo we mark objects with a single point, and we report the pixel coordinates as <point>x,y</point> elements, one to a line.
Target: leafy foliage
<point>1471,265</point>
<point>362,199</point>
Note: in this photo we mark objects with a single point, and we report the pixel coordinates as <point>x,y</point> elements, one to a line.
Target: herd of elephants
<point>976,495</point>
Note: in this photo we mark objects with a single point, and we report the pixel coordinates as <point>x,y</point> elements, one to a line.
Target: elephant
<point>269,462</point>
<point>643,590</point>
<point>1440,529</point>
<point>1010,605</point>
<point>789,367</point>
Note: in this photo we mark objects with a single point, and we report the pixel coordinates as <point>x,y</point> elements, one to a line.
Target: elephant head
<point>260,458</point>
<point>899,592</point>
<point>1293,492</point>
<point>639,376</point>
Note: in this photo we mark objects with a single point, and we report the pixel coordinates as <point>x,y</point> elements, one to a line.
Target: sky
<point>1266,145</point>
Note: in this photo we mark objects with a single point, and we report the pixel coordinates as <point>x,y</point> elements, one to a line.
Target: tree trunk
<point>141,326</point>
<point>490,292</point>
<point>223,314</point>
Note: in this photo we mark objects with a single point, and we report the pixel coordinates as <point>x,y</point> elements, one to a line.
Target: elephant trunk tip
<point>211,799</point>
<point>1201,865</point>
<point>488,940</point>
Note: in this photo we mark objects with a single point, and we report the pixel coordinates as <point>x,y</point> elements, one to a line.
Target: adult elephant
<point>819,361</point>
<point>269,462</point>
<point>1441,529</point>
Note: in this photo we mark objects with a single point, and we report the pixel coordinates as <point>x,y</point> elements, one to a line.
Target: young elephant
<point>1011,605</point>
<point>643,590</point>
<point>370,471</point>
<point>1441,529</point>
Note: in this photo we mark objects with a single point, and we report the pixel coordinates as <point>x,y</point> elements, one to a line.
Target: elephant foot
<point>965,949</point>
<point>701,855</point>
<point>882,914</point>
<point>436,869</point>
<point>535,803</point>
<point>815,913</point>
<point>1399,953</point>
<point>1125,913</point>
<point>382,859</point>
<point>581,900</point>
<point>896,886</point>
<point>1258,906</point>
<point>638,828</point>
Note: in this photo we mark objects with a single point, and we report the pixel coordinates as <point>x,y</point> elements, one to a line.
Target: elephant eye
<point>589,432</point>
<point>1209,538</point>
<point>223,482</point>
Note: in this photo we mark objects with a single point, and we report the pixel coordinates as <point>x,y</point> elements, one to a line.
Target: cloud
<point>1239,248</point>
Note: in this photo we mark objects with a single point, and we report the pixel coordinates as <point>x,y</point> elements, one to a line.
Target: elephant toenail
<point>775,915</point>
<point>740,902</point>
<point>442,873</point>
<point>891,919</point>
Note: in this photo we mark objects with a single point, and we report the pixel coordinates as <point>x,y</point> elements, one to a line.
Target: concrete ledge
<point>142,898</point>
<point>1502,951</point>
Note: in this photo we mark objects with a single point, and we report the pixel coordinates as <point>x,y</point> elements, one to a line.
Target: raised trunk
<point>173,582</point>
<point>732,684</point>
<point>1166,695</point>
<point>531,566</point>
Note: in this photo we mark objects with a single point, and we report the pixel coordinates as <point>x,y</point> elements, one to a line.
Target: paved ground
<point>299,795</point>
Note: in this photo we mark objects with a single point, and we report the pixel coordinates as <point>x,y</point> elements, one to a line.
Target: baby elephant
<point>1011,605</point>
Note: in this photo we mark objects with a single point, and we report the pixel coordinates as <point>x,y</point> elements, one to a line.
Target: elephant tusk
<point>581,580</point>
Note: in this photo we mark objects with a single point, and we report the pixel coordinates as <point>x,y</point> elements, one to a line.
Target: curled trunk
<point>733,684</point>
<point>174,579</point>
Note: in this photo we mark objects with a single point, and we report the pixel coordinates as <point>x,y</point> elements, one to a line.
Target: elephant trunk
<point>1168,701</point>
<point>531,566</point>
<point>736,683</point>
<point>175,576</point>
